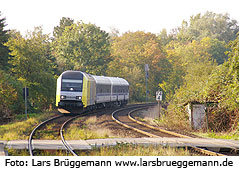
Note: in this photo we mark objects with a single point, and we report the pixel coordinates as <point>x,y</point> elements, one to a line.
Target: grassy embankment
<point>20,128</point>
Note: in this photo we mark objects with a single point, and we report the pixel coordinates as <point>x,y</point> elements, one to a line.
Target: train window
<point>114,89</point>
<point>104,89</point>
<point>71,85</point>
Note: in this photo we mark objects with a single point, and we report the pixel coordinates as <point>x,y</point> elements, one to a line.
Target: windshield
<point>71,85</point>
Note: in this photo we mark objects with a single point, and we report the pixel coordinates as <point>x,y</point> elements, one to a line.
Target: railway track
<point>124,117</point>
<point>62,123</point>
<point>65,120</point>
<point>30,148</point>
<point>67,146</point>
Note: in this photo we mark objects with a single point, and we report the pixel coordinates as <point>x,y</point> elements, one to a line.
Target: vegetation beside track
<point>118,150</point>
<point>25,152</point>
<point>137,150</point>
<point>171,122</point>
<point>179,122</point>
<point>219,135</point>
<point>21,128</point>
<point>86,130</point>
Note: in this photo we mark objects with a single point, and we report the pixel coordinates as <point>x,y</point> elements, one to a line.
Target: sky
<point>124,15</point>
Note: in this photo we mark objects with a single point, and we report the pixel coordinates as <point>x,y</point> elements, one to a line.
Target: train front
<point>69,91</point>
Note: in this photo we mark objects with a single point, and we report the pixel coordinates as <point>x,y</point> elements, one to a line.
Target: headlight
<point>63,97</point>
<point>78,97</point>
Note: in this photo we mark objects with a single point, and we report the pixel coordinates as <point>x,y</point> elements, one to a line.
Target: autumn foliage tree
<point>130,53</point>
<point>82,47</point>
<point>192,64</point>
<point>31,64</point>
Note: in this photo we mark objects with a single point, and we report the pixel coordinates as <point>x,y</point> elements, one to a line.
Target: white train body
<point>82,90</point>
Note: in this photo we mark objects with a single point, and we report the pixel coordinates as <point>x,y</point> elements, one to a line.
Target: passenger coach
<point>76,89</point>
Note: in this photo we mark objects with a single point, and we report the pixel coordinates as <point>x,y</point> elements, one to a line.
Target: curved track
<point>157,129</point>
<point>67,146</point>
<point>124,117</point>
<point>48,121</point>
<point>37,128</point>
<point>63,121</point>
<point>121,117</point>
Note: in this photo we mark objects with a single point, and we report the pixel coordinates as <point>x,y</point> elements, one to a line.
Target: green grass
<point>137,150</point>
<point>219,135</point>
<point>87,130</point>
<point>76,133</point>
<point>119,150</point>
<point>21,128</point>
<point>25,152</point>
<point>18,152</point>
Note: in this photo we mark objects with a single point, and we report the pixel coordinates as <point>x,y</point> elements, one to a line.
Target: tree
<point>165,38</point>
<point>3,49</point>
<point>82,47</point>
<point>222,88</point>
<point>64,22</point>
<point>10,99</point>
<point>130,53</point>
<point>215,26</point>
<point>31,63</point>
<point>192,65</point>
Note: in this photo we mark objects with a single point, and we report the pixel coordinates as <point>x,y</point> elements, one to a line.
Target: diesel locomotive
<point>78,90</point>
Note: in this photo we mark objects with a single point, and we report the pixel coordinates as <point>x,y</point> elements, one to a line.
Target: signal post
<point>159,98</point>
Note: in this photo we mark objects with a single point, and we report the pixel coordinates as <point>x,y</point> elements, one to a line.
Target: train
<point>77,90</point>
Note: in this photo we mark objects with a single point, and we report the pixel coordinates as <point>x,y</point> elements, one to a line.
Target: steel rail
<point>67,146</point>
<point>206,152</point>
<point>35,129</point>
<point>152,127</point>
<point>197,149</point>
<point>130,127</point>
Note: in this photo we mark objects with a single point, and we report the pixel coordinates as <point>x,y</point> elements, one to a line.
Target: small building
<point>197,114</point>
